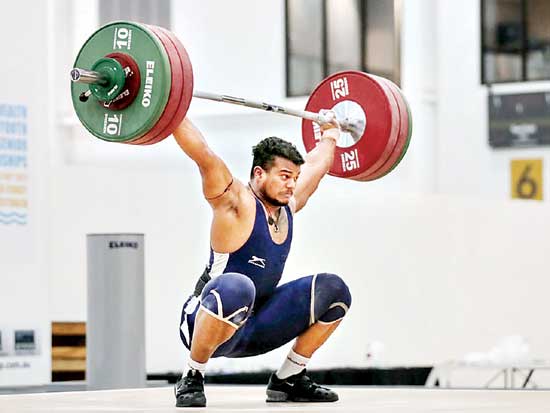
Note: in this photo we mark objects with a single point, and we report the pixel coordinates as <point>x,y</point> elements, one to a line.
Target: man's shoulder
<point>246,200</point>
<point>292,205</point>
<point>239,199</point>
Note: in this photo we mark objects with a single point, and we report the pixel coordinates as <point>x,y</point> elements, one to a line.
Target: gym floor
<point>251,399</point>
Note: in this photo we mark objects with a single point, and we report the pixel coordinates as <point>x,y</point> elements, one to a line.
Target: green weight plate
<point>154,67</point>
<point>115,73</point>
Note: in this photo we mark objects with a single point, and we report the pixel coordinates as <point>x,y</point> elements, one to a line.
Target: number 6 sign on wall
<point>526,179</point>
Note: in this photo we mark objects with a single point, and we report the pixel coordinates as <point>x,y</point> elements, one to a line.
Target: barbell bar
<point>353,126</point>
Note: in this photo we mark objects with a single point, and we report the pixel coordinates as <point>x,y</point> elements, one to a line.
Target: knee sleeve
<point>331,298</point>
<point>229,297</point>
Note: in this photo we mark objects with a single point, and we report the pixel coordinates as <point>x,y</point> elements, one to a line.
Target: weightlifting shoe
<point>189,390</point>
<point>297,388</point>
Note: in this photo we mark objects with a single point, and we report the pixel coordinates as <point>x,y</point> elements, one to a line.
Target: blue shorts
<point>279,318</point>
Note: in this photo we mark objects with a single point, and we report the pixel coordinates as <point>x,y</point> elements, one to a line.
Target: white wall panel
<point>25,121</point>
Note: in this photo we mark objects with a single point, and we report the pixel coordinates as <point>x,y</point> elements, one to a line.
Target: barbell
<point>133,83</point>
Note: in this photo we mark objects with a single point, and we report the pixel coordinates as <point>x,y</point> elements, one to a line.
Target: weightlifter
<point>238,309</point>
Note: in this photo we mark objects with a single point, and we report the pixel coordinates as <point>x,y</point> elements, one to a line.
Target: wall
<point>25,131</point>
<point>430,251</point>
<point>466,164</point>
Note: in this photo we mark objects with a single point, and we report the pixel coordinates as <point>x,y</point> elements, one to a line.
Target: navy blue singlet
<point>260,258</point>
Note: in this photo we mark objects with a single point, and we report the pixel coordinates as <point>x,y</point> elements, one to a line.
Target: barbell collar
<point>89,77</point>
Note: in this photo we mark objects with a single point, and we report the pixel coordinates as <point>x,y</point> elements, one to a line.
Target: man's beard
<point>272,201</point>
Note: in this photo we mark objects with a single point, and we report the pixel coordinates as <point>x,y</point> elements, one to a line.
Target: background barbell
<point>133,83</point>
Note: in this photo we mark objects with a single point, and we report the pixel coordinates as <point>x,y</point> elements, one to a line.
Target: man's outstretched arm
<point>216,177</point>
<point>318,163</point>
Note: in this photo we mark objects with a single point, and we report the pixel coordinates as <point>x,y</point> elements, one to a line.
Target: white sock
<point>195,365</point>
<point>293,364</point>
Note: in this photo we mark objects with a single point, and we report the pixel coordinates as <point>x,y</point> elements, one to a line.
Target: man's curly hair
<point>265,152</point>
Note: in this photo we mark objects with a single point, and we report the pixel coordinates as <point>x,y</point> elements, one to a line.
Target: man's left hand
<point>330,129</point>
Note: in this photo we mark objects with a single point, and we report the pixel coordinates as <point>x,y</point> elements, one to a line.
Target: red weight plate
<point>175,92</point>
<point>131,85</point>
<point>405,134</point>
<point>187,72</point>
<point>409,130</point>
<point>377,104</point>
<point>187,93</point>
<point>402,134</point>
<point>401,140</point>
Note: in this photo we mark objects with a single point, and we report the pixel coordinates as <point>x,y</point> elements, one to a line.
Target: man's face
<point>278,183</point>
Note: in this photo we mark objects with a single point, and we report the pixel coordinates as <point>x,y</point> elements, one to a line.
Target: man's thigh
<point>281,318</point>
